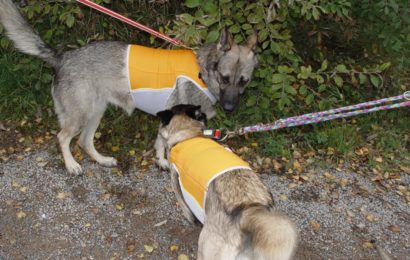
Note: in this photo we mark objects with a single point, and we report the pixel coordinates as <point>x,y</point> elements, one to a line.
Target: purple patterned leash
<point>316,115</point>
<point>312,118</point>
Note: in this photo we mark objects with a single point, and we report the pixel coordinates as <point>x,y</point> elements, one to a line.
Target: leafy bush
<point>299,68</point>
<point>313,54</point>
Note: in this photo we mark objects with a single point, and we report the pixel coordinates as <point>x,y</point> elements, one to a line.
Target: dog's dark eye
<point>243,81</point>
<point>225,79</point>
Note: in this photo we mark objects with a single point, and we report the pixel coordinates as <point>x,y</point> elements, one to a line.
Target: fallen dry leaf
<point>370,217</point>
<point>329,175</point>
<point>183,257</point>
<point>378,159</point>
<point>297,167</point>
<point>394,228</point>
<point>23,189</point>
<point>136,212</point>
<point>283,197</point>
<point>405,169</point>
<point>368,244</point>
<point>106,196</point>
<point>119,206</point>
<point>173,248</point>
<point>21,215</point>
<point>130,246</point>
<point>315,225</point>
<point>62,195</point>
<point>292,185</point>
<point>148,248</point>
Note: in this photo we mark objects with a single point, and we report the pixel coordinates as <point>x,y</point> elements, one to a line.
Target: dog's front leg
<point>159,146</point>
<point>178,193</point>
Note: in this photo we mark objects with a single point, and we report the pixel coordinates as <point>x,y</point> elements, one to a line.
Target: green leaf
<point>362,78</point>
<point>212,36</point>
<point>303,90</point>
<point>210,7</point>
<point>385,66</point>
<point>277,78</point>
<point>235,29</point>
<point>291,90</point>
<point>322,88</point>
<point>320,79</point>
<point>70,21</point>
<point>324,65</point>
<point>309,99</point>
<point>192,3</point>
<point>375,80</point>
<point>338,80</point>
<point>251,101</point>
<point>187,18</point>
<point>341,68</point>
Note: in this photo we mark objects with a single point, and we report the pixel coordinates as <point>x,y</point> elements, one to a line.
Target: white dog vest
<point>198,162</point>
<point>154,74</point>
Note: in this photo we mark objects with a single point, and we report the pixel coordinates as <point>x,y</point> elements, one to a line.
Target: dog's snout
<point>228,106</point>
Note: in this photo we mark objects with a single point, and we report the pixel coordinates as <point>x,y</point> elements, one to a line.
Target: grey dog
<point>239,218</point>
<point>90,78</point>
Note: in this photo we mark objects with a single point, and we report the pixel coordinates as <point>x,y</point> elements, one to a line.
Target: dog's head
<point>228,71</point>
<point>181,122</point>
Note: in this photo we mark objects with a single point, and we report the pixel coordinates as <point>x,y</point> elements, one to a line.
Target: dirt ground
<point>130,214</point>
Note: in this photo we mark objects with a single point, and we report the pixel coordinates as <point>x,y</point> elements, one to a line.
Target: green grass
<point>25,85</point>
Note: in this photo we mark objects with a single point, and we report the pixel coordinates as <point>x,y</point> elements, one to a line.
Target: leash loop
<point>406,95</point>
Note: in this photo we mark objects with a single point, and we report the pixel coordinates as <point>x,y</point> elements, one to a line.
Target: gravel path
<point>106,213</point>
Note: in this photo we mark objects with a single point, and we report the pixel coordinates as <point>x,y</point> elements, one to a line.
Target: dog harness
<point>155,73</point>
<point>198,162</point>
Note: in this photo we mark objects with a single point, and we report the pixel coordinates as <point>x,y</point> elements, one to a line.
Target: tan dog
<point>240,220</point>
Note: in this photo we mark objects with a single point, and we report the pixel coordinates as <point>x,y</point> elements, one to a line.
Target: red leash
<point>131,22</point>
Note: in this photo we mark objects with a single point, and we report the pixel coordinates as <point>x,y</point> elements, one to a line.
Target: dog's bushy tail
<point>271,234</point>
<point>23,36</point>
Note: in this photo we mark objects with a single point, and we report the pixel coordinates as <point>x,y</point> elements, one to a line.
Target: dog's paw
<point>162,164</point>
<point>108,161</point>
<point>74,168</point>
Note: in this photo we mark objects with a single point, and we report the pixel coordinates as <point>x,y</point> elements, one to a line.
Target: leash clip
<point>217,134</point>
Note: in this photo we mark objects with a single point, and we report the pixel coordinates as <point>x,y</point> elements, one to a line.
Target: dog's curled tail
<point>23,36</point>
<point>271,235</point>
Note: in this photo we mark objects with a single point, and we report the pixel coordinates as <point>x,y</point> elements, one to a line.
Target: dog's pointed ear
<point>225,40</point>
<point>252,41</point>
<point>165,116</point>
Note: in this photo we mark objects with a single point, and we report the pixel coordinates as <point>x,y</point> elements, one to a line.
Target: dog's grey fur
<point>240,221</point>
<point>90,78</point>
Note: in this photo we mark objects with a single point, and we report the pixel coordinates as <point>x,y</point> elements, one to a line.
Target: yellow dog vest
<point>154,73</point>
<point>198,162</point>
